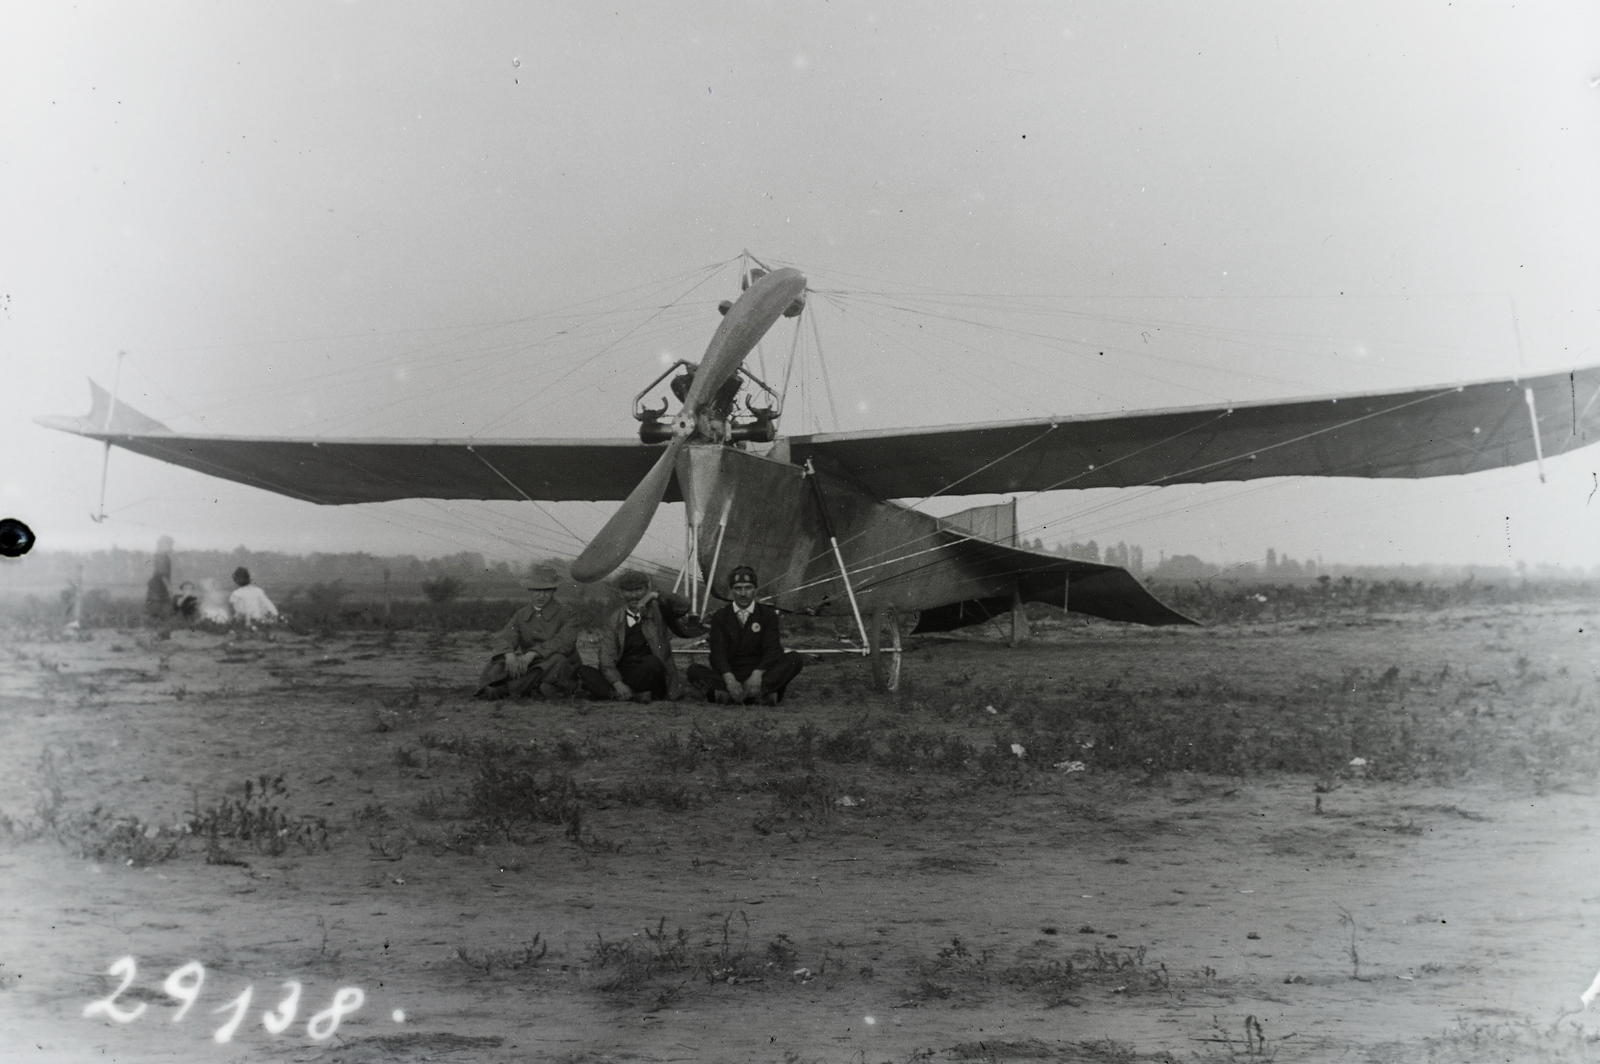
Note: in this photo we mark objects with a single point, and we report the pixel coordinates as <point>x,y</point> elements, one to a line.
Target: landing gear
<point>884,650</point>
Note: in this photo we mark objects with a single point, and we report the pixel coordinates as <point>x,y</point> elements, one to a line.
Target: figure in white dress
<point>251,604</point>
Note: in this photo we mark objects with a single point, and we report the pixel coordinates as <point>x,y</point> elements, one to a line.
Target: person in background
<point>214,608</point>
<point>250,604</point>
<point>748,662</point>
<point>158,592</point>
<point>636,644</point>
<point>186,603</point>
<point>537,650</point>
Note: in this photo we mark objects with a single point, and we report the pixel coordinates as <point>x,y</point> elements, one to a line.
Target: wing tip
<point>106,417</point>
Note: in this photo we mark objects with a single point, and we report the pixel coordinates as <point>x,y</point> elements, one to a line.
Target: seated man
<point>748,662</point>
<point>636,644</point>
<point>250,604</point>
<point>537,650</point>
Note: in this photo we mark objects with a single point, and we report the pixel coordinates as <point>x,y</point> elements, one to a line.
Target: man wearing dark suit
<point>748,662</point>
<point>636,644</point>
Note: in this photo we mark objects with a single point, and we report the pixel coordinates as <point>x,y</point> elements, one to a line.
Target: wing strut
<point>833,540</point>
<point>1533,420</point>
<point>105,459</point>
<point>716,557</point>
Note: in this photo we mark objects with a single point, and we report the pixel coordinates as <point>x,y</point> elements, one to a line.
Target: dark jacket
<point>661,619</point>
<point>551,632</point>
<point>736,647</point>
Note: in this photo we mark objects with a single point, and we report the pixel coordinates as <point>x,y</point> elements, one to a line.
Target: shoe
<point>645,697</point>
<point>721,698</point>
<point>550,691</point>
<point>770,698</point>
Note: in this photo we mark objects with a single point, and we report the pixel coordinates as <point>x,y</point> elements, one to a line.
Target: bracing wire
<point>445,352</point>
<point>879,561</point>
<point>518,489</point>
<point>586,361</point>
<point>822,366</point>
<point>788,369</point>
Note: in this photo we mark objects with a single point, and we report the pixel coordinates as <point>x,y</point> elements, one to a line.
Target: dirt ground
<point>675,882</point>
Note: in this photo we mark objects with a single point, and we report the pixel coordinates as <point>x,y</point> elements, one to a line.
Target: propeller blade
<point>627,526</point>
<point>746,322</point>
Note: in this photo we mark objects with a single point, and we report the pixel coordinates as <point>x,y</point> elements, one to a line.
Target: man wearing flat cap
<point>748,662</point>
<point>636,644</point>
<point>537,650</point>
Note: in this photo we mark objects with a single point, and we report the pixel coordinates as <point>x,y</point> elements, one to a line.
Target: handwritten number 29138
<point>184,985</point>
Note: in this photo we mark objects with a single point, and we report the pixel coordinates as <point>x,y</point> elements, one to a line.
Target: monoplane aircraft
<point>816,514</point>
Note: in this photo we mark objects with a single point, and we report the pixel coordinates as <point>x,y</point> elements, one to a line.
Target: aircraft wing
<point>1429,432</point>
<point>331,471</point>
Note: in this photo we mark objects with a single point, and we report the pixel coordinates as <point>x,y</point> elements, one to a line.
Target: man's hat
<point>632,580</point>
<point>742,574</point>
<point>542,578</point>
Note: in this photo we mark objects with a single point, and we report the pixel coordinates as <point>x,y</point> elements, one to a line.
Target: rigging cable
<point>822,365</point>
<point>1157,481</point>
<point>584,362</point>
<point>518,488</point>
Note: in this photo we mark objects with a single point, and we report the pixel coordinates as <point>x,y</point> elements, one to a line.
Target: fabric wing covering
<point>1430,432</point>
<point>376,470</point>
<point>1104,591</point>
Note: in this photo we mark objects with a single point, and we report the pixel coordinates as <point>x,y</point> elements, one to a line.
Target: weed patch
<point>506,800</point>
<point>669,963</point>
<point>99,835</point>
<point>1522,1043</point>
<point>435,805</point>
<point>659,791</point>
<point>520,959</point>
<point>1052,981</point>
<point>256,820</point>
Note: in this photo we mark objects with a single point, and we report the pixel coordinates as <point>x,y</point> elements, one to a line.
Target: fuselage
<point>768,514</point>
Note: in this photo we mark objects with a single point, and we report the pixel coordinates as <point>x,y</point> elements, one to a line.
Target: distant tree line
<point>1233,601</point>
<point>1282,569</point>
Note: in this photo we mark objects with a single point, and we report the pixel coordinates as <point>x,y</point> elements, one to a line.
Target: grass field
<point>1354,836</point>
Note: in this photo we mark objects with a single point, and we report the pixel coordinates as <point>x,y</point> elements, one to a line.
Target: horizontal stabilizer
<point>1104,591</point>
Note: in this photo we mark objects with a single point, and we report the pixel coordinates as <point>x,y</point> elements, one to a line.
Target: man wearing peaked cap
<point>748,662</point>
<point>636,644</point>
<point>537,650</point>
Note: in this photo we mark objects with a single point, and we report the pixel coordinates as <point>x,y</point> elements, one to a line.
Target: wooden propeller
<point>746,322</point>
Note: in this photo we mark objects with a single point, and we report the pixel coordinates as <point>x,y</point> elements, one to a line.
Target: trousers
<point>774,681</point>
<point>641,674</point>
<point>496,680</point>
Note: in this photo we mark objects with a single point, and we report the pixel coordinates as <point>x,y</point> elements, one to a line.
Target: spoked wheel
<point>884,649</point>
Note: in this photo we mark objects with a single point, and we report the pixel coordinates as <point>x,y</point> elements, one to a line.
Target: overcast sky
<point>399,219</point>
